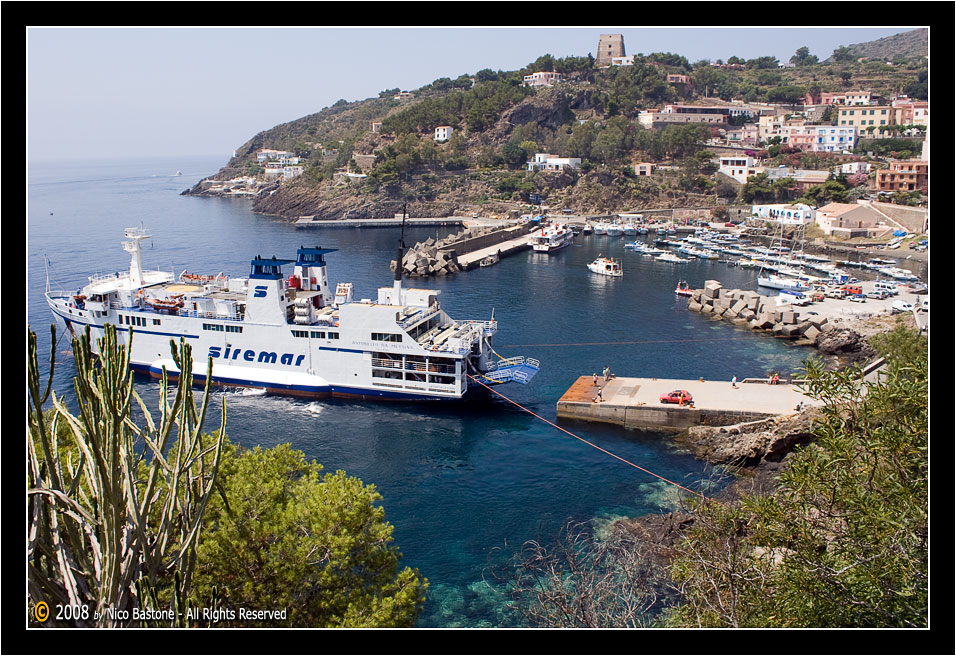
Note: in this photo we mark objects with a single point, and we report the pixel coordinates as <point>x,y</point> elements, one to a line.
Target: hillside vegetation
<point>499,124</point>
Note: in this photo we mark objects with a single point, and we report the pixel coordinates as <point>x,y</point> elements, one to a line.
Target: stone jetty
<point>748,308</point>
<point>444,256</point>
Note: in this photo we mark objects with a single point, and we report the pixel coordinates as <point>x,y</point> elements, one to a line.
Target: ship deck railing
<point>419,367</point>
<point>418,316</point>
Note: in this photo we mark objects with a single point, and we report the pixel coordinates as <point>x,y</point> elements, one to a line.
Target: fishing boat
<point>587,229</point>
<point>606,266</point>
<point>683,289</point>
<point>615,230</point>
<point>552,238</point>
<point>291,335</point>
<point>489,260</point>
<point>600,228</point>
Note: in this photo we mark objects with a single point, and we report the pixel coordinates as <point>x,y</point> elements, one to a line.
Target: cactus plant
<point>115,516</point>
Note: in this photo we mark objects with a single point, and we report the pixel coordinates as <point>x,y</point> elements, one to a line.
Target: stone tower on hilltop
<point>609,45</point>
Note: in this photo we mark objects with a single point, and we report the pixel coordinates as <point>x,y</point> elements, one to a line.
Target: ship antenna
<point>398,262</point>
<point>401,248</point>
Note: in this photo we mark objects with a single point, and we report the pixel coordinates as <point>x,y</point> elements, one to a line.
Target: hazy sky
<point>122,91</point>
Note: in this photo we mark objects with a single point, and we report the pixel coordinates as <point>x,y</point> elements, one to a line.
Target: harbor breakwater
<point>439,257</point>
<point>749,309</point>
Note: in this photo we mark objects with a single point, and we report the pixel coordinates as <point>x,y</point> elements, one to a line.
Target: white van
<point>901,306</point>
<point>886,286</point>
<point>924,304</point>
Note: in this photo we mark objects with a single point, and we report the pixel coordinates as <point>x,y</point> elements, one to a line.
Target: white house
<point>443,132</point>
<point>795,214</point>
<point>542,79</point>
<point>268,154</point>
<point>736,166</point>
<point>549,162</point>
<point>855,167</point>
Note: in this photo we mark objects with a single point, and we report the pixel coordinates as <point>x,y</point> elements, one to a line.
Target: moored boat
<point>551,238</point>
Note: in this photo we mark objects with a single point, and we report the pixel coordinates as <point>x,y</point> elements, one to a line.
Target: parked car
<point>853,290</point>
<point>901,306</point>
<point>677,396</point>
<point>857,298</point>
<point>878,294</point>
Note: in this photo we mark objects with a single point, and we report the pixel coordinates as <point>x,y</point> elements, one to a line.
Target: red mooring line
<point>645,341</point>
<point>563,430</point>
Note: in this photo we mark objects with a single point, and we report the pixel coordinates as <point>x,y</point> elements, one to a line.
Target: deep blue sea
<point>464,485</point>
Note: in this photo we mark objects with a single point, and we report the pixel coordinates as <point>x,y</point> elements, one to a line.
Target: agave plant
<point>115,516</point>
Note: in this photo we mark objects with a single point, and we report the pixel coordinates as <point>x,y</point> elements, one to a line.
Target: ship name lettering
<point>269,357</point>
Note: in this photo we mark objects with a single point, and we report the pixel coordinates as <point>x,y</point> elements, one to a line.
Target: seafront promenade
<point>635,402</point>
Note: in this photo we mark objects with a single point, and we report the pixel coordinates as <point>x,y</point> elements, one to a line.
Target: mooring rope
<point>591,444</point>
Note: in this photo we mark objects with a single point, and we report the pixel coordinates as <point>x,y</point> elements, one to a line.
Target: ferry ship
<point>293,335</point>
<point>552,238</point>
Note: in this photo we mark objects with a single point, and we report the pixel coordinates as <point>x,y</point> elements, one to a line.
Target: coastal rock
<point>845,342</point>
<point>751,443</point>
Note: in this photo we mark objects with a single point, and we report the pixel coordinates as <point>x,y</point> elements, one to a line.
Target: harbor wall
<point>662,418</point>
<point>441,257</point>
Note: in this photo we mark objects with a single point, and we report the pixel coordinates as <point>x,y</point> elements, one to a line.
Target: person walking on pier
<point>733,382</point>
<point>594,375</point>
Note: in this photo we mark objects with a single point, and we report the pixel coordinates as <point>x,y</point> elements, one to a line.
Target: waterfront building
<point>848,220</point>
<point>786,214</point>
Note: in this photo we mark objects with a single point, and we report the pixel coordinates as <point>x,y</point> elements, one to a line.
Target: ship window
<point>386,337</point>
<point>318,335</point>
<point>213,326</point>
<point>386,373</point>
<point>156,322</point>
<point>233,329</point>
<point>333,335</point>
<point>300,333</point>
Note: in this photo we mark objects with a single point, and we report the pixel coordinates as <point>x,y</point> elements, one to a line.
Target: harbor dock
<point>313,222</point>
<point>635,402</point>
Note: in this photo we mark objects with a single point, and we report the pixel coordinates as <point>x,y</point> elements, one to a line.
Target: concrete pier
<point>472,259</point>
<point>635,402</point>
<point>312,222</point>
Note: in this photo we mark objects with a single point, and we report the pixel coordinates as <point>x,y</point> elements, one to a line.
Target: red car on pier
<point>681,397</point>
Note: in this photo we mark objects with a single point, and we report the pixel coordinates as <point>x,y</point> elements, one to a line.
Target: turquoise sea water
<point>465,484</point>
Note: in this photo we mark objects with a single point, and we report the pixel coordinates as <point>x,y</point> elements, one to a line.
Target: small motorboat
<point>683,289</point>
<point>587,229</point>
<point>490,260</point>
